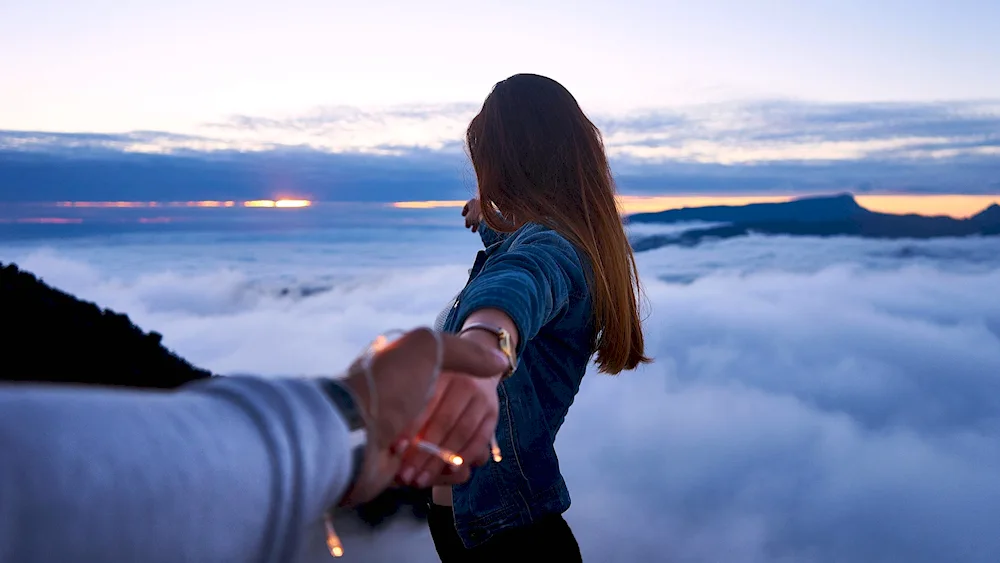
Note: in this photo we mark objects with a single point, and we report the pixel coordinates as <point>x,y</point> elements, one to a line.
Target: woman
<point>558,278</point>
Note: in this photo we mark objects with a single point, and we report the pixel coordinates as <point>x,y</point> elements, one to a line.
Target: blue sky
<point>116,65</point>
<point>673,84</point>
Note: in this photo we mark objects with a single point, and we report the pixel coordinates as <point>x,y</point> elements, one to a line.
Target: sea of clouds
<point>811,400</point>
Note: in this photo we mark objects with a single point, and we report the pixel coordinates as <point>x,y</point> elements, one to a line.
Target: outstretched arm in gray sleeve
<point>230,469</point>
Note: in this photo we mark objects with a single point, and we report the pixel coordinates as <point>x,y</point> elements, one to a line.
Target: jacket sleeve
<point>229,469</point>
<point>531,282</point>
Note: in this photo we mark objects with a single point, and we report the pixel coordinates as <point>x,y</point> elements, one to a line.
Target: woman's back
<point>562,278</point>
<point>540,279</point>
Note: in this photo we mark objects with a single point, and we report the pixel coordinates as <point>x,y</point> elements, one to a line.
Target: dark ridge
<point>54,337</point>
<point>817,216</point>
<point>820,208</point>
<point>988,216</point>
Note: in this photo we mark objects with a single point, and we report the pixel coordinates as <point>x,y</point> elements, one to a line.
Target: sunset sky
<point>122,65</point>
<point>334,100</point>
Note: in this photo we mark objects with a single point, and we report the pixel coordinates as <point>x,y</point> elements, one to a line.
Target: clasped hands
<point>455,409</point>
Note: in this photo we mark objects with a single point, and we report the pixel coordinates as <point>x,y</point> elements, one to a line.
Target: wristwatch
<point>503,339</point>
<point>345,403</point>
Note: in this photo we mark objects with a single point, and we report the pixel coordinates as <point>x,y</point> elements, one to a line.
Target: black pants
<point>548,539</point>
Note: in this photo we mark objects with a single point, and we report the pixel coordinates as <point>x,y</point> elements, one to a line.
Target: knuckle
<point>465,431</point>
<point>450,416</point>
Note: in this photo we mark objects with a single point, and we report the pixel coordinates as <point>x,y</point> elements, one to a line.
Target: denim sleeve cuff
<point>511,302</point>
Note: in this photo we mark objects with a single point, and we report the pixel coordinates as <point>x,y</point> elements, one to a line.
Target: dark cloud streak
<point>950,148</point>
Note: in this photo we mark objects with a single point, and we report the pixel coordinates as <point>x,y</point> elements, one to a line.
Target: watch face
<point>503,338</point>
<point>505,344</point>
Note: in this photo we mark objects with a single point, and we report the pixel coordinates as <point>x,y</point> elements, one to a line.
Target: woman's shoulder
<point>538,234</point>
<point>544,241</point>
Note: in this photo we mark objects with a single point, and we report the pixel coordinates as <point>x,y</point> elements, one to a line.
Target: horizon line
<point>953,205</point>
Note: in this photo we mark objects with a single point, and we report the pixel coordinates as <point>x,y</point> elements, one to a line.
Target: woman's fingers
<point>454,438</point>
<point>461,434</point>
<point>476,449</point>
<point>433,466</point>
<point>449,412</point>
<point>471,438</point>
<point>413,457</point>
<point>473,214</point>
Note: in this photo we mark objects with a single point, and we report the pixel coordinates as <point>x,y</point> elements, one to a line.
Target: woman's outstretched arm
<point>524,288</point>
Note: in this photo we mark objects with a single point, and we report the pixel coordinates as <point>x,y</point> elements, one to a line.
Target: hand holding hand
<point>462,418</point>
<point>403,373</point>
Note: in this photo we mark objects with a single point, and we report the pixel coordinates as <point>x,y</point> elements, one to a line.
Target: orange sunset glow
<point>958,206</point>
<point>431,204</point>
<point>278,203</point>
<point>44,221</point>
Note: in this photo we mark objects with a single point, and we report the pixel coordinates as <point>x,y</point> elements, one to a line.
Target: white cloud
<point>730,133</point>
<point>342,128</point>
<point>719,133</point>
<point>812,400</point>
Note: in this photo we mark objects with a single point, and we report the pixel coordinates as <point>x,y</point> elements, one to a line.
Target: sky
<point>871,436</point>
<point>672,84</point>
<point>121,65</point>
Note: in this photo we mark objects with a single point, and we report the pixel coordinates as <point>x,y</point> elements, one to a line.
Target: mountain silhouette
<point>826,208</point>
<point>989,216</point>
<point>813,216</point>
<point>53,337</point>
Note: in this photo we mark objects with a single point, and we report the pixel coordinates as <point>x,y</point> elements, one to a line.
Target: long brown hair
<point>539,159</point>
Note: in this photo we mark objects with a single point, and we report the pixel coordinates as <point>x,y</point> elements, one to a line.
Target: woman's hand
<point>403,373</point>
<point>471,400</point>
<point>473,214</point>
<point>466,398</point>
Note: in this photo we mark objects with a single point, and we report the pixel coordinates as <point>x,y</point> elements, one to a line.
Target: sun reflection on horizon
<point>44,220</point>
<point>275,203</point>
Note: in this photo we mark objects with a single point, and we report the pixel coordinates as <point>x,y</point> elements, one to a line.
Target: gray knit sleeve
<point>227,469</point>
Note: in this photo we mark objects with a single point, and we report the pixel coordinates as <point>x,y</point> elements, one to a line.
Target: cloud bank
<point>733,133</point>
<point>351,154</point>
<point>811,400</point>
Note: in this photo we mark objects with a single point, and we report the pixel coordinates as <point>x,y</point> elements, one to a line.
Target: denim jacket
<point>539,279</point>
